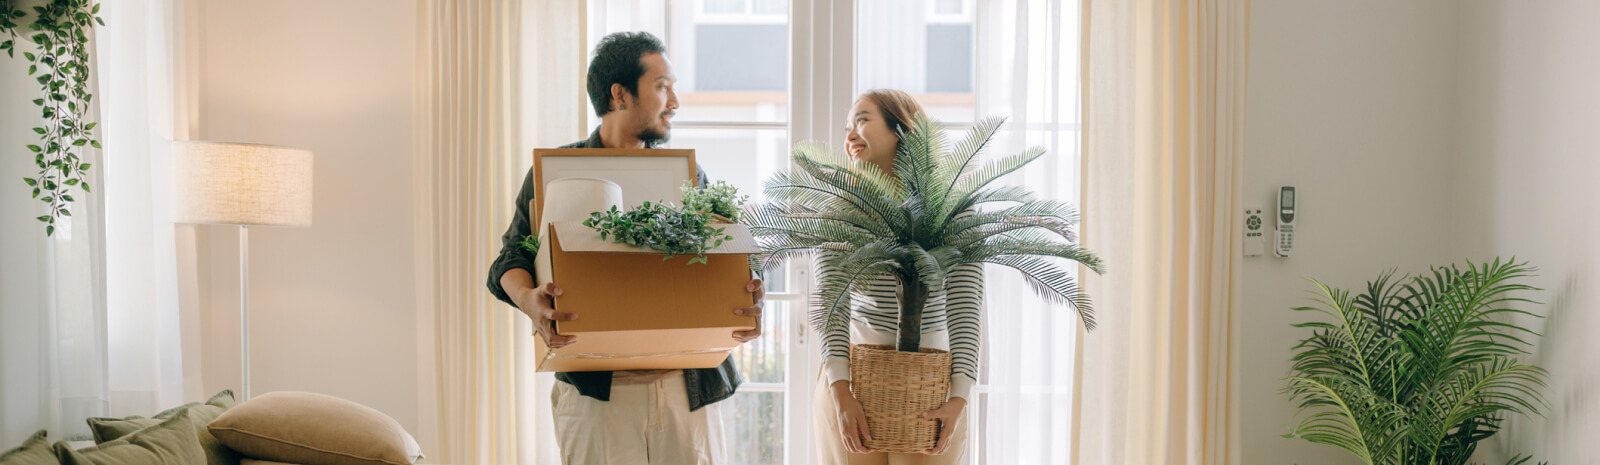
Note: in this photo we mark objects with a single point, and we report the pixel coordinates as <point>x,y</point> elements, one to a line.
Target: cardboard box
<point>637,311</point>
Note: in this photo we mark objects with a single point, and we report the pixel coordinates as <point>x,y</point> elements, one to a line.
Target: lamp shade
<point>229,183</point>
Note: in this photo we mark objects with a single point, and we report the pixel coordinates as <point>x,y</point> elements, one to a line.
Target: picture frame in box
<point>644,174</point>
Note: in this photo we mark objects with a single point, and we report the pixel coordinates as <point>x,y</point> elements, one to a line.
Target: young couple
<point>671,416</point>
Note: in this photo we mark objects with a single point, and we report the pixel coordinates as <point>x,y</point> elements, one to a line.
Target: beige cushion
<point>34,451</point>
<point>314,429</point>
<point>261,462</point>
<point>108,429</point>
<point>171,442</point>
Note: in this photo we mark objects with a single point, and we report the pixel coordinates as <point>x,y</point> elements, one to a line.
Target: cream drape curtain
<point>467,180</point>
<point>1164,82</point>
<point>496,79</point>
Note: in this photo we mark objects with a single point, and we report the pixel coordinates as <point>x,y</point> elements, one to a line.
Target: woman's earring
<point>622,106</point>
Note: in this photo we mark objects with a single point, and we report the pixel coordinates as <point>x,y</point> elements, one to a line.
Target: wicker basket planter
<point>895,388</point>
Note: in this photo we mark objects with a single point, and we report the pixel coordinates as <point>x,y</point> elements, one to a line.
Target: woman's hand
<point>947,414</point>
<point>852,419</point>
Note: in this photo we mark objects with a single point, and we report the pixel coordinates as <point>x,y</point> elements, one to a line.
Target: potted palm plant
<point>1416,371</point>
<point>935,212</point>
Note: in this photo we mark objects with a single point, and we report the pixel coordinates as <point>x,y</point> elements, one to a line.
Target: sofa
<point>295,428</point>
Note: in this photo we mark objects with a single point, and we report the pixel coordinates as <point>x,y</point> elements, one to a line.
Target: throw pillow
<point>108,429</point>
<point>171,442</point>
<point>34,451</point>
<point>314,429</point>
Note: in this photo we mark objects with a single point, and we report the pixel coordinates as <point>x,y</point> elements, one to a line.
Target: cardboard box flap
<point>575,237</point>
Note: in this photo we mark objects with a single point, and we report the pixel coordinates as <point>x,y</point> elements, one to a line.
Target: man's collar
<point>594,141</point>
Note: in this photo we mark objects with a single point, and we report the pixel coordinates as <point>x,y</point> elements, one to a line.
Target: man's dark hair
<point>617,60</point>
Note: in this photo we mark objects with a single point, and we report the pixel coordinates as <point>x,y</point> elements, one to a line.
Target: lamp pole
<point>244,312</point>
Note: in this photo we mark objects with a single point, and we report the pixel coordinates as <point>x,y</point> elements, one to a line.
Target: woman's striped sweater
<point>950,321</point>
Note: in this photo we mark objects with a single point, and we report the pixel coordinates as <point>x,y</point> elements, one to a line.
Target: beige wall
<point>1350,102</point>
<point>1529,139</point>
<point>333,308</point>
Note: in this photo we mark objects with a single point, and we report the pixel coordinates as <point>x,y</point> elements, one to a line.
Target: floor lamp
<point>244,185</point>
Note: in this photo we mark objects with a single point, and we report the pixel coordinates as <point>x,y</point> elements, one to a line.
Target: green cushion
<point>34,451</point>
<point>108,429</point>
<point>171,442</point>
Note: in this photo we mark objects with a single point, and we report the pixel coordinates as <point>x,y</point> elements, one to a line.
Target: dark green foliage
<point>1418,370</point>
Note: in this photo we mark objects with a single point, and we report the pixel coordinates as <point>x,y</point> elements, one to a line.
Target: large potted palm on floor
<point>935,212</point>
<point>1417,371</point>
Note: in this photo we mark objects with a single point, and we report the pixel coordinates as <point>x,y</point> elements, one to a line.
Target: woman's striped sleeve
<point>963,303</point>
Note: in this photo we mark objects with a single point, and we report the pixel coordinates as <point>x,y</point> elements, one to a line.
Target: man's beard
<point>651,136</point>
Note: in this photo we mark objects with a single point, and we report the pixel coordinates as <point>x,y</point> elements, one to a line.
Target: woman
<point>950,320</point>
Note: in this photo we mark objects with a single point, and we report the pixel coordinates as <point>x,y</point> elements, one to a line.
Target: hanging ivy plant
<point>60,64</point>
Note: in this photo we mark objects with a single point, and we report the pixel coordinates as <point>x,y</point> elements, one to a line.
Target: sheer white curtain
<point>52,298</point>
<point>555,109</point>
<point>892,22</point>
<point>1026,71</point>
<point>151,286</point>
<point>103,319</point>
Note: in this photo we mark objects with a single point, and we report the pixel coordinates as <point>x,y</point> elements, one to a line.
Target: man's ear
<point>618,96</point>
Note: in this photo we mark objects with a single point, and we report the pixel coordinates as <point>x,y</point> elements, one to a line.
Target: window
<point>741,108</point>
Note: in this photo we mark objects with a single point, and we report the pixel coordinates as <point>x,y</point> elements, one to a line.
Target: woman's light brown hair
<point>899,108</point>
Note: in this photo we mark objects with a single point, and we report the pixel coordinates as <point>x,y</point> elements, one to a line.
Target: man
<point>624,417</point>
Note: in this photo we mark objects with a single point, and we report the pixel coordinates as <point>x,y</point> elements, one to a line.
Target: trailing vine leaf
<point>61,67</point>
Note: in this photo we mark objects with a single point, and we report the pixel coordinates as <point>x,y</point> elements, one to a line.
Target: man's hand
<point>753,310</point>
<point>539,304</point>
<point>947,414</point>
<point>852,419</point>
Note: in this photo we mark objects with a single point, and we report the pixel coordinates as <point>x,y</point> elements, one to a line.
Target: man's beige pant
<point>830,447</point>
<point>642,424</point>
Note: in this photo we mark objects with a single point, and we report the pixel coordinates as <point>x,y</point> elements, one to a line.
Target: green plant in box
<point>720,198</point>
<point>660,226</point>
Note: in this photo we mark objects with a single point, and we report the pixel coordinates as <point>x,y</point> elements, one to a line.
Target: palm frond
<point>916,162</point>
<point>1051,282</point>
<point>965,152</point>
<point>865,193</point>
<point>801,188</point>
<point>839,279</point>
<point>993,170</point>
